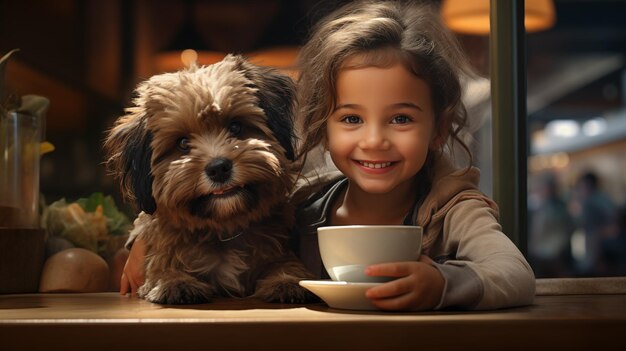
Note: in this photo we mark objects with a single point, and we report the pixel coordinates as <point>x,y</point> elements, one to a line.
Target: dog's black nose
<point>219,170</point>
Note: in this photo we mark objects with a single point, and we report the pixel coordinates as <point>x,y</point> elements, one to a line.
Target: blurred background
<point>86,56</point>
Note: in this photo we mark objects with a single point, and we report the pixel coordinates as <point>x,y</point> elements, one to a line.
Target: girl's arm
<point>477,267</point>
<point>482,267</point>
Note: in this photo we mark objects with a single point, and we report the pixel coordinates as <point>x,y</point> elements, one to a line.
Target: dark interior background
<point>87,56</point>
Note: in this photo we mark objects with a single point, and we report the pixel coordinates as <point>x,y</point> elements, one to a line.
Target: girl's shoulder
<point>313,185</point>
<point>313,198</point>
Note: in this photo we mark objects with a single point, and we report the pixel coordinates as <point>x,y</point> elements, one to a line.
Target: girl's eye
<point>234,128</point>
<point>401,119</point>
<point>183,144</point>
<point>351,119</point>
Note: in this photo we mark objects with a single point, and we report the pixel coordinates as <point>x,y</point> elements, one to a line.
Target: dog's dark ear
<point>276,93</point>
<point>129,151</point>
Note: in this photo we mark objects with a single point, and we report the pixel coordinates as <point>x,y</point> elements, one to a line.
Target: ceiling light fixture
<point>472,16</point>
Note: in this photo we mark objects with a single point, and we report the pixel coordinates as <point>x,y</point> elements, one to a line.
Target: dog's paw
<point>182,294</point>
<point>284,291</point>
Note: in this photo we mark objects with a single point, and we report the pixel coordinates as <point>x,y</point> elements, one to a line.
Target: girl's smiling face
<point>382,127</point>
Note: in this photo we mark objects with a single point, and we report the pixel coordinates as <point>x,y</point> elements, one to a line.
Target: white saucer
<point>340,294</point>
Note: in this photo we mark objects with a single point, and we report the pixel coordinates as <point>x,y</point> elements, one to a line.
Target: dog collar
<point>229,238</point>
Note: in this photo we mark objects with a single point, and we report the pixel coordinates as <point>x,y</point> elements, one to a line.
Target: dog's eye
<point>183,144</point>
<point>234,128</point>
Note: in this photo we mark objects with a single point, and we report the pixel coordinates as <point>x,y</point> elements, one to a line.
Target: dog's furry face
<point>205,145</point>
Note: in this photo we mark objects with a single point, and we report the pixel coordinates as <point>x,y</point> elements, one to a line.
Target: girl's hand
<point>419,285</point>
<point>133,274</point>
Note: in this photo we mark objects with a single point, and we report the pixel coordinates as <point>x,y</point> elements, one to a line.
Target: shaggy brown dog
<point>205,153</point>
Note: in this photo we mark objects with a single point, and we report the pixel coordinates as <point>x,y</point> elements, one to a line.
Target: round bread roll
<point>74,270</point>
<point>57,244</point>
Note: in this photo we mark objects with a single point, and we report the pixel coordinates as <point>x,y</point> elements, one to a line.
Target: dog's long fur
<point>205,153</point>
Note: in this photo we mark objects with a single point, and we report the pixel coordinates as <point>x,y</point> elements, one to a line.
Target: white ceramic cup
<point>347,250</point>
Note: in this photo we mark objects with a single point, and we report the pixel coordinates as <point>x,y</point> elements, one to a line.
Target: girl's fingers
<point>124,285</point>
<point>395,269</point>
<point>128,283</point>
<point>419,285</point>
<point>400,302</point>
<point>399,294</point>
<point>388,290</point>
<point>133,285</point>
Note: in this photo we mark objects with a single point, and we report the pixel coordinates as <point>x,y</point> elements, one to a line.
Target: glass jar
<point>20,140</point>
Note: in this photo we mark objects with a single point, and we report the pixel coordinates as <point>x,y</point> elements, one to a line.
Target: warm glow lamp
<point>171,61</point>
<point>472,16</point>
<point>187,47</point>
<point>283,57</point>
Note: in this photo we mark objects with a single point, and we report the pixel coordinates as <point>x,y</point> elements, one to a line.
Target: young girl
<point>380,91</point>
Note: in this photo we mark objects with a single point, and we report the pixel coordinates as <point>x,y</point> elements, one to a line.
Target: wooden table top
<point>108,320</point>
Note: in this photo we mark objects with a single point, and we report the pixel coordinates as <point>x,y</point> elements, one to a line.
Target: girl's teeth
<point>375,165</point>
